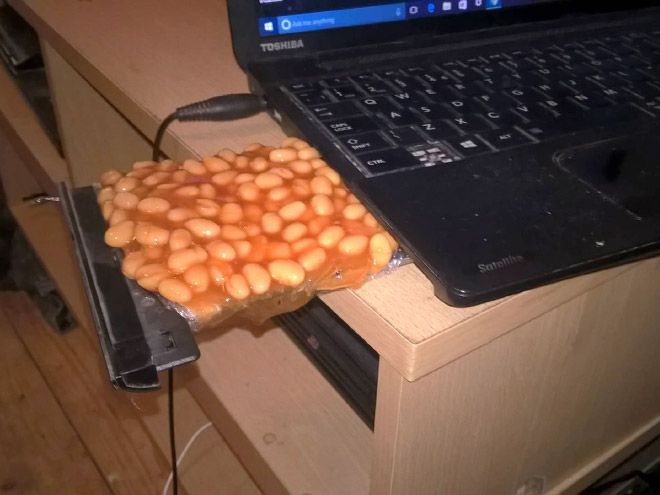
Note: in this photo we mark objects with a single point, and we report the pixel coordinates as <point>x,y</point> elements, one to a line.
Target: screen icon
<point>430,8</point>
<point>268,26</point>
<point>416,9</point>
<point>285,24</point>
<point>462,5</point>
<point>478,3</point>
<point>446,6</point>
<point>493,4</point>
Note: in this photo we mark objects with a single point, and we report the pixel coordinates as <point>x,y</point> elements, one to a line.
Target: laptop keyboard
<point>445,111</point>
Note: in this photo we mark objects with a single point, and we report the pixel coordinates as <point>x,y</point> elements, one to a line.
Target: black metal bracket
<point>138,335</point>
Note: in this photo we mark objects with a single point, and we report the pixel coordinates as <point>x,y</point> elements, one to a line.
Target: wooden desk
<point>547,388</point>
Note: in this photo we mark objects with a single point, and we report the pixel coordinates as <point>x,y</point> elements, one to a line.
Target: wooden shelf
<point>29,163</point>
<point>28,137</point>
<point>291,418</point>
<point>45,221</point>
<point>287,424</point>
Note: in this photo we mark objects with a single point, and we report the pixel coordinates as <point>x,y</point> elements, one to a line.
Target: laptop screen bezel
<point>247,41</point>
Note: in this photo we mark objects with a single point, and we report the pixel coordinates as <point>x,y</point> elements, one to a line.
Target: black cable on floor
<point>170,412</point>
<point>219,108</point>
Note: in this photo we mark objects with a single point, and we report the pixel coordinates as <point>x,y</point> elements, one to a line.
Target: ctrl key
<point>388,160</point>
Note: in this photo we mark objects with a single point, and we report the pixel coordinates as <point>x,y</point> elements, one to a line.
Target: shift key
<point>351,125</point>
<point>364,143</point>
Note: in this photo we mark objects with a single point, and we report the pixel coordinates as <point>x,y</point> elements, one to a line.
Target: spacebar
<point>590,119</point>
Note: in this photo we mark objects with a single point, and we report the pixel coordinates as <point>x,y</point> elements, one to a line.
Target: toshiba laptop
<point>504,143</point>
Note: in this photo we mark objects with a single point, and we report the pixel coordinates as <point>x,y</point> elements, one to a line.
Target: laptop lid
<point>269,30</point>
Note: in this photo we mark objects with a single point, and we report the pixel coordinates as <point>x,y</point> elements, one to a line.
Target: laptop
<point>505,143</point>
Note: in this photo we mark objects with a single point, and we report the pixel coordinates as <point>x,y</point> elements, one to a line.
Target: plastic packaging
<point>257,233</point>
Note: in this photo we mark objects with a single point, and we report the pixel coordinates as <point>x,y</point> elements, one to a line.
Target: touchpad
<point>625,170</point>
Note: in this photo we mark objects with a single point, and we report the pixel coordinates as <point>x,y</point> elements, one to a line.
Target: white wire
<point>183,453</point>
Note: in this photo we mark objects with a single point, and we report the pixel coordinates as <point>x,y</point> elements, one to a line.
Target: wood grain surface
<point>285,421</point>
<point>40,452</point>
<point>124,434</point>
<point>563,398</point>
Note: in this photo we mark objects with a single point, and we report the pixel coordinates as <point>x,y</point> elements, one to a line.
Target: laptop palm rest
<point>625,171</point>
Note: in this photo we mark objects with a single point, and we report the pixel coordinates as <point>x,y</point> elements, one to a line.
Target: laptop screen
<point>286,17</point>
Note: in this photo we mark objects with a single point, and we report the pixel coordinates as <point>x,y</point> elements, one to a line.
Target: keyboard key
<point>609,65</point>
<point>497,83</point>
<point>559,106</point>
<point>466,105</point>
<point>434,154</point>
<point>532,112</point>
<point>406,83</point>
<point>582,69</point>
<point>503,119</point>
<point>523,95</point>
<point>313,97</point>
<point>374,87</point>
<point>520,65</point>
<point>364,143</point>
<point>590,119</point>
<point>365,77</point>
<point>379,104</point>
<point>351,125</point>
<point>504,139</point>
<point>442,92</point>
<point>400,117</point>
<point>468,145</point>
<point>407,97</point>
<point>554,90</point>
<point>388,160</point>
<point>302,87</point>
<point>630,76</point>
<point>604,80</point>
<point>333,111</point>
<point>438,130</point>
<point>337,81</point>
<point>467,89</point>
<point>434,111</point>
<point>428,76</point>
<point>592,100</point>
<point>464,74</point>
<point>344,92</point>
<point>470,123</point>
<point>539,130</point>
<point>643,91</point>
<point>496,102</point>
<point>615,94</point>
<point>404,136</point>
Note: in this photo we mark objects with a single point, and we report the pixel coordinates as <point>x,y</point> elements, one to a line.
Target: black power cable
<point>170,412</point>
<point>219,108</point>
